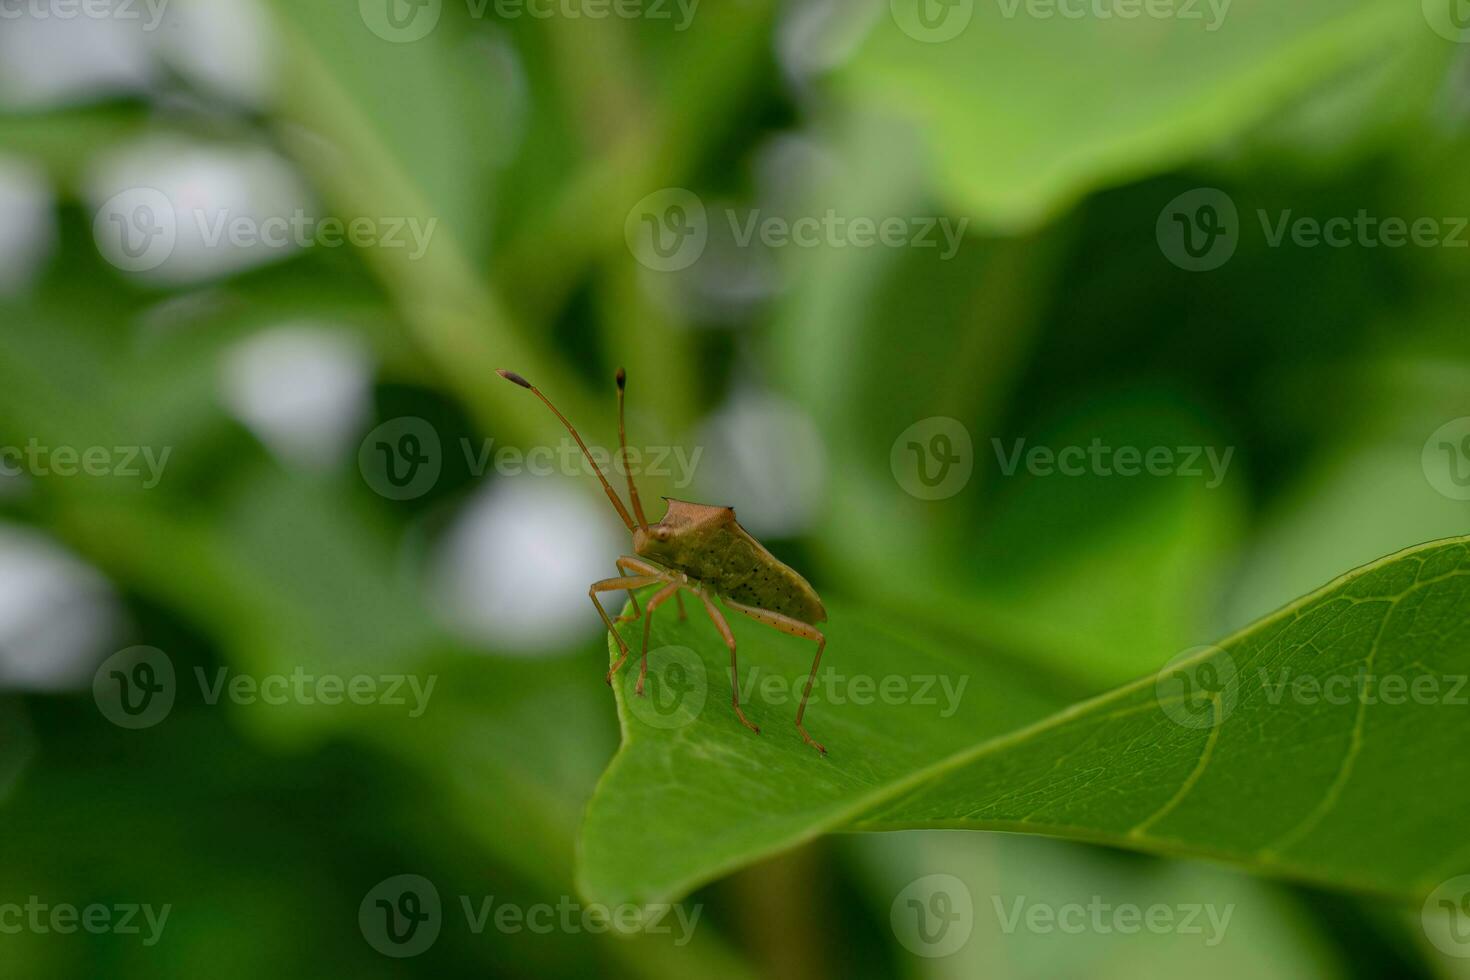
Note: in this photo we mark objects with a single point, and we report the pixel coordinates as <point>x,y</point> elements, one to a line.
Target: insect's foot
<point>746,721</point>
<point>613,670</point>
<point>811,741</point>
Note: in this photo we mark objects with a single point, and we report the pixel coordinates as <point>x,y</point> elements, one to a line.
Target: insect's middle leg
<point>729,639</point>
<point>662,596</point>
<point>616,585</point>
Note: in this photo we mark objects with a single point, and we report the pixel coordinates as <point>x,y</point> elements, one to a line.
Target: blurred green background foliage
<point>523,146</point>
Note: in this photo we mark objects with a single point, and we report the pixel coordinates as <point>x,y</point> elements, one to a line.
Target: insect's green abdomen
<point>753,576</point>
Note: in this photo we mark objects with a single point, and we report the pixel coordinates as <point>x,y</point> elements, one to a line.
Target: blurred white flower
<point>303,389</point>
<point>512,572</point>
<point>50,60</point>
<point>58,615</point>
<point>27,223</point>
<point>816,36</point>
<point>222,46</point>
<point>176,211</point>
<point>765,457</point>
<point>56,53</point>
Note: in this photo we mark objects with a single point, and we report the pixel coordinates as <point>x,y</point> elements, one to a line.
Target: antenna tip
<point>622,377</point>
<point>514,378</point>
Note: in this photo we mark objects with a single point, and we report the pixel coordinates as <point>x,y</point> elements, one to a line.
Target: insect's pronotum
<point>702,550</point>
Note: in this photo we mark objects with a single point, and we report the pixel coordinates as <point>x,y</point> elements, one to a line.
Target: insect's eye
<point>662,533</point>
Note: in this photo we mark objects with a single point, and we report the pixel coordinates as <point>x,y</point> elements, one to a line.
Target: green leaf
<point>1223,754</point>
<point>1023,113</point>
<point>692,793</point>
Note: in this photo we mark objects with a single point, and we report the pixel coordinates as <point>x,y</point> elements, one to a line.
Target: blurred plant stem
<point>782,915</point>
<point>717,64</point>
<point>458,320</point>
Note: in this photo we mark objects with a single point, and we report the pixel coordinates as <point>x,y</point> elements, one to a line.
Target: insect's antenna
<point>511,376</point>
<point>622,377</point>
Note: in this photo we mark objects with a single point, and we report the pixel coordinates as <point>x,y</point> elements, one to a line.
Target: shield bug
<point>702,550</point>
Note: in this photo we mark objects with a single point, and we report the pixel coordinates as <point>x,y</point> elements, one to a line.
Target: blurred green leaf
<point>1238,926</point>
<point>1025,112</point>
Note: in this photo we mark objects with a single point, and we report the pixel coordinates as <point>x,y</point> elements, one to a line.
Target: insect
<point>703,550</point>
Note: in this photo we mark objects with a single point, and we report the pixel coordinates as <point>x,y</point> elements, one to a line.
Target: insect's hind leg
<point>617,585</point>
<point>662,596</point>
<point>729,639</point>
<point>791,627</point>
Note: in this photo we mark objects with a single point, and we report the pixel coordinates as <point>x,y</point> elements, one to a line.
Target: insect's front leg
<point>616,585</point>
<point>662,596</point>
<point>629,565</point>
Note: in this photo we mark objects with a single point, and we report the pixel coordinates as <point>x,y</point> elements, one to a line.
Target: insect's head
<point>653,541</point>
<point>685,529</point>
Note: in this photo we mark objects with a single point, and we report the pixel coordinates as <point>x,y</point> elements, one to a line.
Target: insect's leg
<point>792,627</point>
<point>672,589</point>
<point>629,565</point>
<point>679,598</point>
<point>729,639</point>
<point>615,585</point>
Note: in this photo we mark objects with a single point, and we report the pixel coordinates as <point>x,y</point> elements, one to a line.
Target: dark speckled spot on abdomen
<point>765,592</point>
